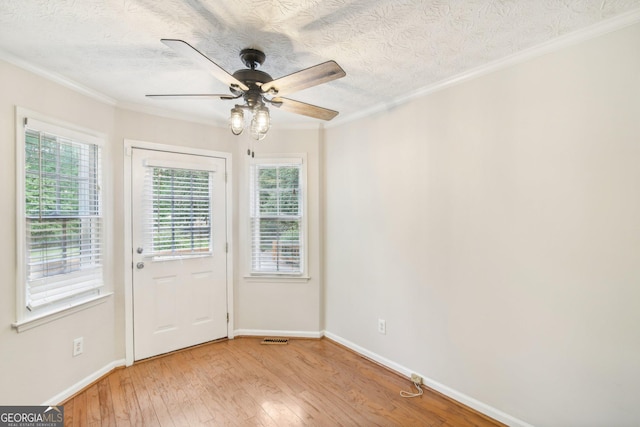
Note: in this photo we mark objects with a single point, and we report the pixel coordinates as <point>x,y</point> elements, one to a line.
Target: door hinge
<point>227,317</point>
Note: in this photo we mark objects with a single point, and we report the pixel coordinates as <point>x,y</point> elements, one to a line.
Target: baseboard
<point>276,333</point>
<point>441,388</point>
<point>75,388</point>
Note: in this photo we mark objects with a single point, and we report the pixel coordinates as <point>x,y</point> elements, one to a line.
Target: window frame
<point>151,183</point>
<point>27,318</point>
<point>280,159</point>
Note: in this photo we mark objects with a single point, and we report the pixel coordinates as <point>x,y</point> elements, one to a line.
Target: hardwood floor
<point>244,383</point>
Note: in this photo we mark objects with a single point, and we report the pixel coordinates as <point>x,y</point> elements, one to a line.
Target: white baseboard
<point>447,391</point>
<point>65,394</point>
<point>441,388</point>
<point>276,333</point>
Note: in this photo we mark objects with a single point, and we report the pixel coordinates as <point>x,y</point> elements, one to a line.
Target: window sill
<point>25,325</point>
<point>272,278</point>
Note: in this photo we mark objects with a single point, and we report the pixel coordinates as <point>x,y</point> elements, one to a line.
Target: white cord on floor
<point>409,394</point>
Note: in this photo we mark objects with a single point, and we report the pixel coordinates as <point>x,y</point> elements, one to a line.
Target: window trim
<point>26,319</point>
<point>303,275</point>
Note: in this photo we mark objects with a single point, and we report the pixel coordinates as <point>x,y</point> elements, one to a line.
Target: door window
<point>179,212</point>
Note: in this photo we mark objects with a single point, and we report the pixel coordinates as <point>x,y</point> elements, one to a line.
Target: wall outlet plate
<point>78,346</point>
<point>416,379</point>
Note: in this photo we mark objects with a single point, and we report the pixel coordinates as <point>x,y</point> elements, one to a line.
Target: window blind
<point>276,217</point>
<point>177,220</point>
<point>63,217</point>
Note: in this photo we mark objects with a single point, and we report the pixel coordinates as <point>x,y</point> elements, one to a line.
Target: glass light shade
<point>261,122</point>
<point>257,135</point>
<point>236,121</point>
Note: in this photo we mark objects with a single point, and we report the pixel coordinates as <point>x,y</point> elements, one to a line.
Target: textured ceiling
<point>388,48</point>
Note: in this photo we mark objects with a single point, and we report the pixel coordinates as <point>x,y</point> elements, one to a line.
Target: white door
<point>179,251</point>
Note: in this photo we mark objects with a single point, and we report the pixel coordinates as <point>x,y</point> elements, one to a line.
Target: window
<point>179,212</point>
<point>60,210</point>
<point>277,216</point>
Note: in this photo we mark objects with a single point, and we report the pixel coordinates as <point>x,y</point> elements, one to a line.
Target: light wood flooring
<point>244,383</point>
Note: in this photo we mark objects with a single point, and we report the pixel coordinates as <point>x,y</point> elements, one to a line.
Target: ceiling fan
<point>257,88</point>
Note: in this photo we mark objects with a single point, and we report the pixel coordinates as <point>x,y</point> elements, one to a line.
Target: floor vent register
<point>275,341</point>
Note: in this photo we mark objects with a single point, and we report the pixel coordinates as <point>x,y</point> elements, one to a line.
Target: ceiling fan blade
<point>188,51</point>
<point>303,79</point>
<point>305,109</point>
<point>193,95</point>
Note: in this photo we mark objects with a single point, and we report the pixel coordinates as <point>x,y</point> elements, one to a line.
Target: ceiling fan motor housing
<point>252,78</point>
<point>252,58</point>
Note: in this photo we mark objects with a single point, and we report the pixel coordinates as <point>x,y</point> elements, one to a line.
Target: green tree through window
<point>63,218</point>
<point>181,212</point>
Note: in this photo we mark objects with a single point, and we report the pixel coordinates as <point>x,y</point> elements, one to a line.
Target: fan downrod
<point>252,58</point>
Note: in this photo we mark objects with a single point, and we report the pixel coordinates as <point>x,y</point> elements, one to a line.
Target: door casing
<point>129,144</point>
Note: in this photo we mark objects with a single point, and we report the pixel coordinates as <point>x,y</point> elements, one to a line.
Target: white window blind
<point>276,211</point>
<point>177,211</point>
<point>63,216</point>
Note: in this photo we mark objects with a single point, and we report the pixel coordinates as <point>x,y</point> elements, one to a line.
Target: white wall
<point>281,306</point>
<point>161,130</point>
<point>37,364</point>
<point>495,226</point>
<point>259,307</point>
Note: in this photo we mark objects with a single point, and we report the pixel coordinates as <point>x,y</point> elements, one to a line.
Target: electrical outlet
<point>416,379</point>
<point>382,326</point>
<point>78,346</point>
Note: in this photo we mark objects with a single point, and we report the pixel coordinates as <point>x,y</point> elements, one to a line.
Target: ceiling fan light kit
<point>236,121</point>
<point>260,123</point>
<point>257,88</point>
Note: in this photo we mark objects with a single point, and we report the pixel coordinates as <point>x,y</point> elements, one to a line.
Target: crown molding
<point>172,114</point>
<point>613,24</point>
<point>56,78</point>
<point>604,27</point>
<point>207,121</point>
